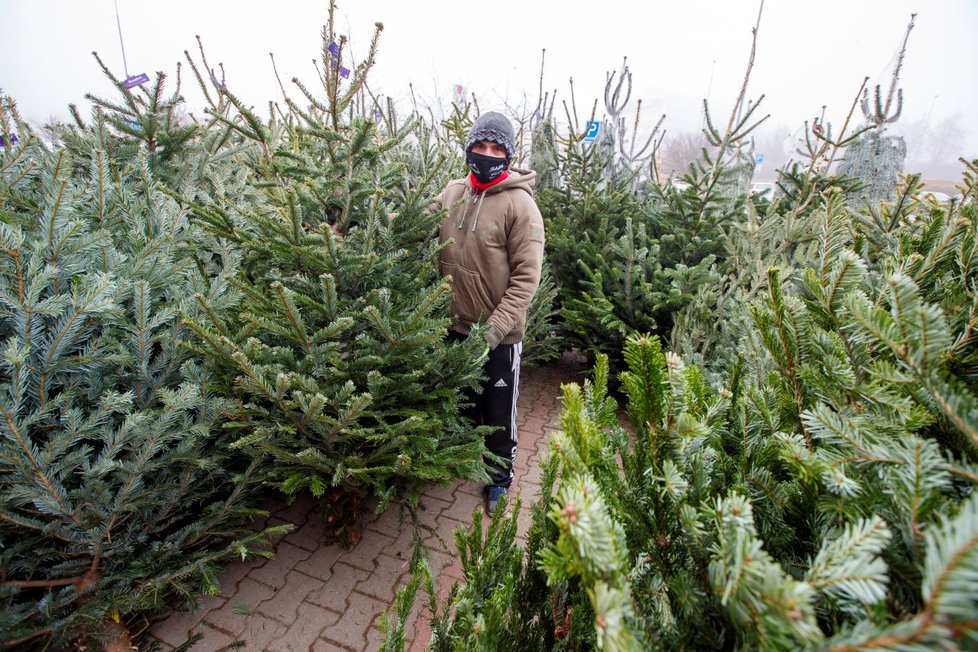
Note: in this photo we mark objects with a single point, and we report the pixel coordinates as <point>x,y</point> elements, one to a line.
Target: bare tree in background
<point>947,140</point>
<point>679,150</point>
<point>934,149</point>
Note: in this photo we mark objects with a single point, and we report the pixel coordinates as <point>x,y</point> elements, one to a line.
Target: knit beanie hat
<point>493,126</point>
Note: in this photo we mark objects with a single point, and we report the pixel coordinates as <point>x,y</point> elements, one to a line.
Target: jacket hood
<point>518,178</point>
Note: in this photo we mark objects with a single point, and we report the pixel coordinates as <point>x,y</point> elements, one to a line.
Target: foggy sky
<point>809,54</point>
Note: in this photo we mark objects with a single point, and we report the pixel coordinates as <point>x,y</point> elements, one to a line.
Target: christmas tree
<point>336,351</point>
<point>118,490</point>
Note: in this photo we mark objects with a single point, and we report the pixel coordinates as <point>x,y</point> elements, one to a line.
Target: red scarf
<point>481,187</point>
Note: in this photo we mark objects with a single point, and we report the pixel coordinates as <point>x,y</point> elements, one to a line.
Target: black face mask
<point>486,168</point>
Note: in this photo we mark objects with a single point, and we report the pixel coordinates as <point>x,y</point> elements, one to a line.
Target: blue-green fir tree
<point>118,490</point>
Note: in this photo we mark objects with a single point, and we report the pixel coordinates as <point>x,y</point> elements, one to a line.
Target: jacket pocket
<point>471,302</point>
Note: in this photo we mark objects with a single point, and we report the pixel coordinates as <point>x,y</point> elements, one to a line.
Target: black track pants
<point>496,406</point>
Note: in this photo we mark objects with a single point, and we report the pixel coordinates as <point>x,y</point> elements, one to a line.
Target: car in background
<point>679,184</point>
<point>935,195</point>
<point>762,189</point>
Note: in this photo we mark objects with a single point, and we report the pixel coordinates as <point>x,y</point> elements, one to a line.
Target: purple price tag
<point>135,80</point>
<point>13,140</point>
<point>344,71</point>
<point>334,49</point>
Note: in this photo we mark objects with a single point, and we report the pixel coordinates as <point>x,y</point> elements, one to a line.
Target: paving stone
<point>462,508</point>
<point>388,522</point>
<point>283,607</point>
<point>364,554</point>
<point>425,525</point>
<point>536,424</point>
<point>523,522</point>
<point>300,510</point>
<point>534,476</point>
<point>322,645</point>
<point>433,505</point>
<point>274,502</point>
<point>319,597</point>
<point>441,559</point>
<point>311,535</point>
<point>469,489</point>
<point>340,584</point>
<point>443,586</point>
<point>530,492</point>
<point>236,571</point>
<point>375,638</point>
<point>443,537</point>
<point>273,572</point>
<point>401,542</point>
<point>351,629</point>
<point>262,634</point>
<point>175,630</point>
<point>453,569</point>
<point>310,622</point>
<point>233,616</point>
<point>442,492</point>
<point>320,563</point>
<point>385,577</point>
<point>420,644</point>
<point>212,639</point>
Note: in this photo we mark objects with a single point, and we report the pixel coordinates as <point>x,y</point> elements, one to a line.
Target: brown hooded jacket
<point>494,255</point>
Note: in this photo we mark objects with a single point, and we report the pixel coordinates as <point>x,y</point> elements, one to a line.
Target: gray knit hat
<point>493,126</point>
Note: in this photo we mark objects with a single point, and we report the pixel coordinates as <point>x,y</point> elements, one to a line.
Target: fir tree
<point>117,492</point>
<point>336,352</point>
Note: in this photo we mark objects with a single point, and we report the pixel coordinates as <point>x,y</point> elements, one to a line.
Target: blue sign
<point>758,159</point>
<point>593,127</point>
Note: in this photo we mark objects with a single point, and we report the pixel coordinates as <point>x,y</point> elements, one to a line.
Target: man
<point>495,251</point>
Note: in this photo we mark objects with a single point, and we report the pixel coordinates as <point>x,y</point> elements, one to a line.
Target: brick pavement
<point>317,597</point>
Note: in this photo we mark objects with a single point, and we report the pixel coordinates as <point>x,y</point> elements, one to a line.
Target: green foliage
<point>336,351</point>
<point>117,492</point>
<point>500,598</point>
<point>821,496</point>
<point>145,118</point>
<point>604,262</point>
<point>628,260</point>
<point>542,342</point>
